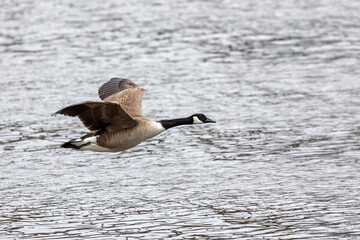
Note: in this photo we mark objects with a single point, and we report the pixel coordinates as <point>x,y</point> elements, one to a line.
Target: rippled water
<point>281,78</point>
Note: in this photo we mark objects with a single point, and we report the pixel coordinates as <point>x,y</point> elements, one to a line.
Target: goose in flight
<point>116,123</point>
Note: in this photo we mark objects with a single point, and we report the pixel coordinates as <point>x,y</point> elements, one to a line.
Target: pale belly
<point>128,138</point>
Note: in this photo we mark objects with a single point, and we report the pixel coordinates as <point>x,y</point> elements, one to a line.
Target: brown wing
<point>126,93</point>
<point>115,85</point>
<point>98,116</point>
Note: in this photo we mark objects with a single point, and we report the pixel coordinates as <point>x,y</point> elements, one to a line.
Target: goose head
<point>200,118</point>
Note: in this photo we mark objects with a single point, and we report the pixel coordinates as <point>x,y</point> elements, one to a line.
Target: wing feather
<point>98,116</point>
<point>125,92</point>
<point>115,85</point>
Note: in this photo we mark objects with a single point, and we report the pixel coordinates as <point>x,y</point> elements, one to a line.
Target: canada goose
<point>116,123</point>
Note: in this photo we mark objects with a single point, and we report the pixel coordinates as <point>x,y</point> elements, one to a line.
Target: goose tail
<point>80,142</point>
<point>70,144</point>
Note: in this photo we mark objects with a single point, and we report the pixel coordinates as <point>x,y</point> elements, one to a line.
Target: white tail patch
<point>95,147</point>
<point>90,144</point>
<point>90,140</point>
<point>78,142</point>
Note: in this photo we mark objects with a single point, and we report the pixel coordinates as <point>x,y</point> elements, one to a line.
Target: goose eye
<point>202,117</point>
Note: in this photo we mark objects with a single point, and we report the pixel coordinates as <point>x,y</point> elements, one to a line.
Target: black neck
<point>176,122</point>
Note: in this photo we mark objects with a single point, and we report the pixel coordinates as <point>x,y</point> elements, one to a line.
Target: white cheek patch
<point>197,120</point>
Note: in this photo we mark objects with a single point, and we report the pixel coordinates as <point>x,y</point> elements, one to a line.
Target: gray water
<point>281,78</point>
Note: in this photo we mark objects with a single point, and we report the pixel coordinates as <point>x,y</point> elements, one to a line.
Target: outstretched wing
<point>125,92</point>
<point>98,116</point>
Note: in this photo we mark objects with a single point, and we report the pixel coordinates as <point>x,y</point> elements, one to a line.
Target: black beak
<point>208,120</point>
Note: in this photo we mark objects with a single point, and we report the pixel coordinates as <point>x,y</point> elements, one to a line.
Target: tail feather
<point>79,143</point>
<point>70,144</point>
<point>87,142</point>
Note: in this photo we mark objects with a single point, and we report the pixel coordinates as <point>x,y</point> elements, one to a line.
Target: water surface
<point>280,78</point>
